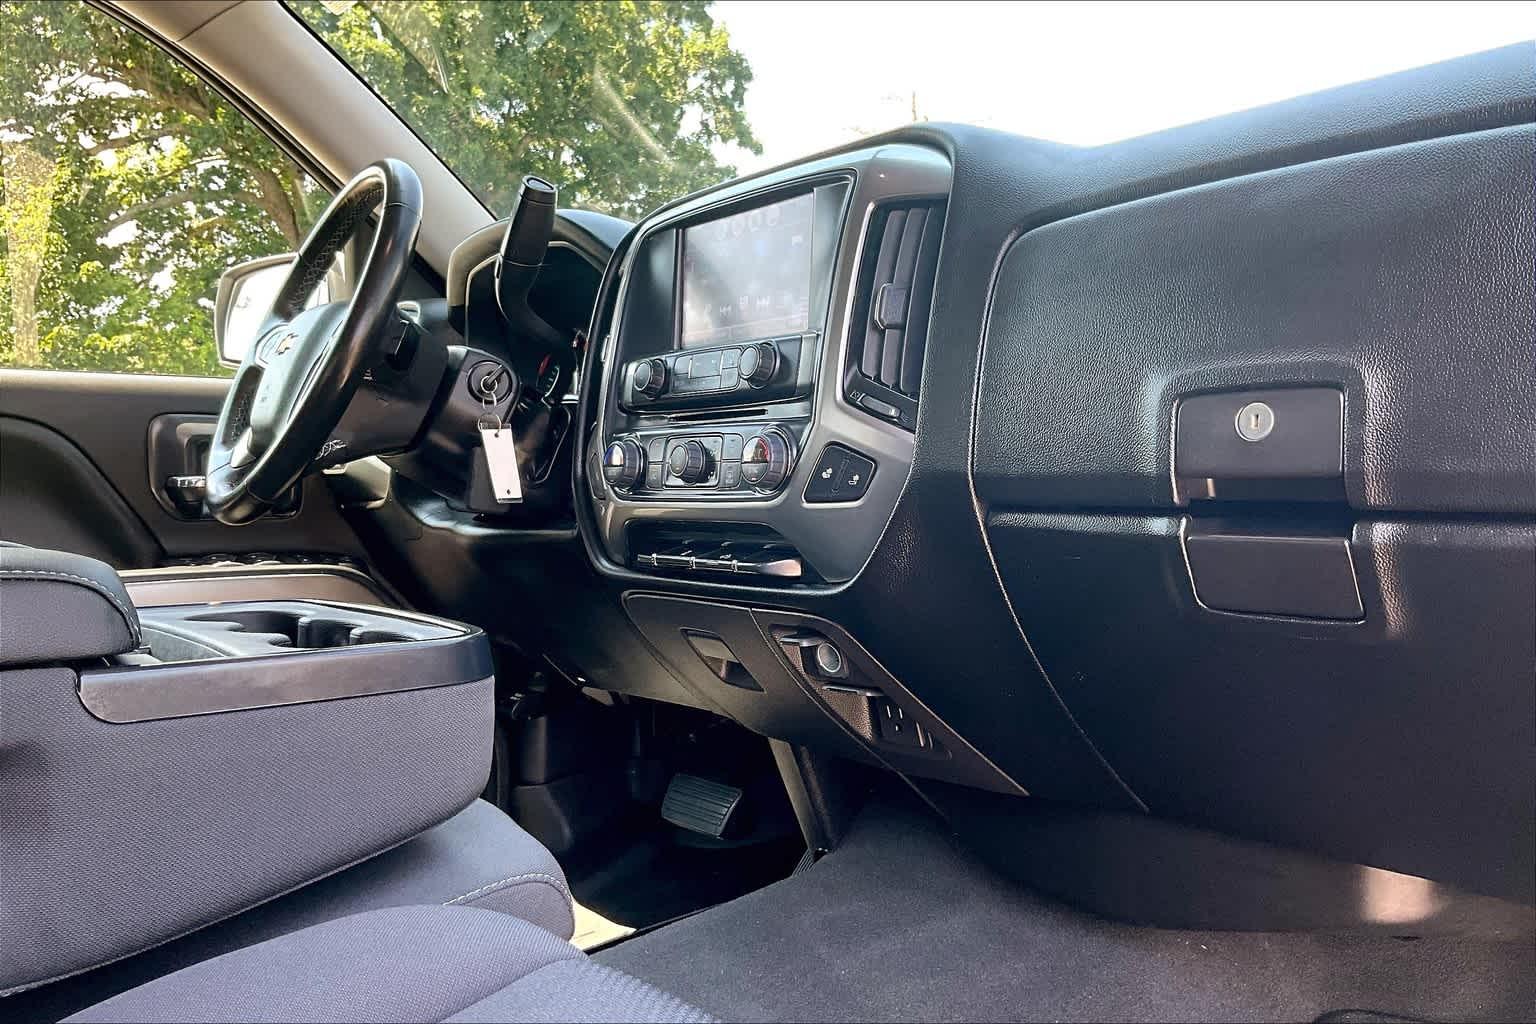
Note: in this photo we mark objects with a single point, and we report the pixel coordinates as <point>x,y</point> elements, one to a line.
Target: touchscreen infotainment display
<point>748,276</point>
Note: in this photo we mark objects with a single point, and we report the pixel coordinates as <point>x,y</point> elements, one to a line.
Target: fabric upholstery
<point>578,990</point>
<point>56,606</point>
<point>479,858</point>
<point>403,964</point>
<point>119,837</point>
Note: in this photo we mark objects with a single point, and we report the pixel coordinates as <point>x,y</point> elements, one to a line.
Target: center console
<point>761,371</point>
<point>168,767</point>
<point>231,656</point>
<point>754,407</point>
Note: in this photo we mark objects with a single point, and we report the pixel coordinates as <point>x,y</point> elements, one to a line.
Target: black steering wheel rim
<point>299,375</point>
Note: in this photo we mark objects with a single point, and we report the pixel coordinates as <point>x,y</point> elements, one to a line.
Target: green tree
<point>127,185</point>
<point>621,104</point>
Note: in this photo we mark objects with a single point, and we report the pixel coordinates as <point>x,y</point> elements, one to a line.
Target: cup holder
<point>316,632</point>
<point>364,635</point>
<point>302,630</point>
<point>282,627</point>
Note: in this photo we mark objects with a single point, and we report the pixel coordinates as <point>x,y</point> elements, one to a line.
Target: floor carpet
<point>899,924</point>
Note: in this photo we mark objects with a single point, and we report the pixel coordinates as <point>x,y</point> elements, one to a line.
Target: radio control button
<point>853,479</point>
<point>765,460</point>
<point>650,377</point>
<point>623,463</point>
<point>759,362</point>
<point>689,462</point>
<point>841,474</point>
<point>825,477</point>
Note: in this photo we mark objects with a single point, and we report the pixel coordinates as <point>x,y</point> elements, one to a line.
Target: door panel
<point>75,472</point>
<point>53,496</point>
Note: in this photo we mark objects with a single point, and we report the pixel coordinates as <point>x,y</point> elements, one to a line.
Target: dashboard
<point>931,453</point>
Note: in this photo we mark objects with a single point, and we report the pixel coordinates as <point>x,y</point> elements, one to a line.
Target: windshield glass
<point>628,105</point>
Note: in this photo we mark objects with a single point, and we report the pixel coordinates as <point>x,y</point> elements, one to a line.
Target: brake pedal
<point>700,805</point>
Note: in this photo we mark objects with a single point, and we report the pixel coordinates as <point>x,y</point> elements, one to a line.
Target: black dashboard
<point>958,482</point>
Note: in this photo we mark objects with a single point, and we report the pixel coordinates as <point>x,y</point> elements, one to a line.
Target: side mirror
<point>245,296</point>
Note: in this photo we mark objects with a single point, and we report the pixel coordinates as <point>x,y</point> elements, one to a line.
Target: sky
<point>824,73</point>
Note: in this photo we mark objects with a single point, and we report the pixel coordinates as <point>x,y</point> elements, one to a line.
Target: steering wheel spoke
<point>241,454</point>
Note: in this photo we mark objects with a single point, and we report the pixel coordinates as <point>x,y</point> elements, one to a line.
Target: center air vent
<point>888,333</point>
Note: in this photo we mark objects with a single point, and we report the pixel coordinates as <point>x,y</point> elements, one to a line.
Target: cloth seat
<point>430,963</point>
<point>478,858</point>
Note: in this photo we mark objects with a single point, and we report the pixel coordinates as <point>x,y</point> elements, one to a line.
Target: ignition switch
<point>490,382</point>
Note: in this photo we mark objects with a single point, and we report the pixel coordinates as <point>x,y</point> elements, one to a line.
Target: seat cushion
<point>478,858</point>
<point>403,964</point>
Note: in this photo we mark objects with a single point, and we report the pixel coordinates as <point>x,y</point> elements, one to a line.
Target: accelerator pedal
<point>700,805</point>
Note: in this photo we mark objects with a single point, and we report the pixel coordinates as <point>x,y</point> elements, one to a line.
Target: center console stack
<point>760,373</point>
<point>725,315</point>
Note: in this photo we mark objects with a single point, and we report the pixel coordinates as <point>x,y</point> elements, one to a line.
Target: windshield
<point>629,105</point>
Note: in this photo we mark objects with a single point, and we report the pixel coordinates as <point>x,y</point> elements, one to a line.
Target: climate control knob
<point>759,362</point>
<point>765,460</point>
<point>689,462</point>
<point>650,377</point>
<point>624,463</point>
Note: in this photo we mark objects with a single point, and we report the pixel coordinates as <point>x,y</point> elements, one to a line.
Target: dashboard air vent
<point>888,333</point>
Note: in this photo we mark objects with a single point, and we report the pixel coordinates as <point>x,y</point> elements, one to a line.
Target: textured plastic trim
<point>143,693</point>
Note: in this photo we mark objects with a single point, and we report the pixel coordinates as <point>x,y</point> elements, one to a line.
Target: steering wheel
<point>297,379</point>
